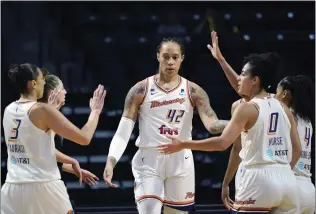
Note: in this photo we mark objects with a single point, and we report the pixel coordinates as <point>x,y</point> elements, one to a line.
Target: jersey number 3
<point>15,131</point>
<point>273,123</point>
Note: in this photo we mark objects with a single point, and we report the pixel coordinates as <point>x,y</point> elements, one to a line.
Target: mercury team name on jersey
<point>165,113</point>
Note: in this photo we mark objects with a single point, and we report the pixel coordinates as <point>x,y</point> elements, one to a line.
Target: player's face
<point>39,84</point>
<point>170,58</point>
<point>283,95</point>
<point>246,81</point>
<point>62,95</point>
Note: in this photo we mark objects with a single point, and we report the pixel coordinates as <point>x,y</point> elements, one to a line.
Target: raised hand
<point>214,48</point>
<point>97,101</point>
<point>54,98</point>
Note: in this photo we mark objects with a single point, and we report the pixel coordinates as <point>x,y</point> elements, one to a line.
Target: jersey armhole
<point>28,115</point>
<point>146,91</point>
<point>258,108</point>
<point>189,94</point>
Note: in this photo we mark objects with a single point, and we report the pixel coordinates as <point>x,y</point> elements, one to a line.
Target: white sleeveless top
<point>305,132</point>
<point>31,151</point>
<point>165,113</point>
<point>268,141</point>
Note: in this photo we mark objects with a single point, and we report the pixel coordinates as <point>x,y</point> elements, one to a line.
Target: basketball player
<point>164,103</point>
<point>54,95</point>
<point>33,182</point>
<point>292,91</point>
<point>268,136</point>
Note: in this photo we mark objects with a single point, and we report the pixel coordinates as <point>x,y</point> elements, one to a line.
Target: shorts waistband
<point>303,178</point>
<point>261,166</point>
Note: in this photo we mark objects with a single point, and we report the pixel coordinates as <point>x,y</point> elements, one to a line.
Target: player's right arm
<point>47,117</point>
<point>231,75</point>
<point>133,100</point>
<point>296,143</point>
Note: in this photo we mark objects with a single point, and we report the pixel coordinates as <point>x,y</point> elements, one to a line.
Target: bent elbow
<point>85,141</point>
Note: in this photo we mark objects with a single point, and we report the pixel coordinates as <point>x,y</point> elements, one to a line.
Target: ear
<point>34,83</point>
<point>285,93</point>
<point>255,80</point>
<point>182,58</point>
<point>158,57</point>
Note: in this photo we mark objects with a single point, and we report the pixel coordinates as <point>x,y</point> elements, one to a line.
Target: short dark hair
<point>302,89</point>
<point>174,40</point>
<point>52,82</point>
<point>21,74</point>
<point>266,66</point>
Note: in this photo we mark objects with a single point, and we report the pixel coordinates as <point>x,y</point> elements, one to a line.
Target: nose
<point>170,62</point>
<point>238,79</point>
<point>65,91</point>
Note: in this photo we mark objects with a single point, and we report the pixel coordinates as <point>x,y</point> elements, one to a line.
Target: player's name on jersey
<point>15,148</point>
<point>275,141</point>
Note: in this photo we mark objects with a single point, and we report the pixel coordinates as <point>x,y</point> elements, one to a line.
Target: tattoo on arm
<point>129,111</point>
<point>218,126</point>
<point>112,161</point>
<point>202,101</point>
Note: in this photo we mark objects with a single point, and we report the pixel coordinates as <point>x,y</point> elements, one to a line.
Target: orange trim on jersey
<point>179,202</point>
<point>166,201</point>
<point>149,196</point>
<point>253,208</point>
<point>189,95</point>
<point>165,91</point>
<point>146,91</point>
<point>12,141</point>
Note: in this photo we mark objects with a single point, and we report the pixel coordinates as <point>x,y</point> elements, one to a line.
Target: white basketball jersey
<point>31,151</point>
<point>305,132</point>
<point>165,113</point>
<point>268,141</point>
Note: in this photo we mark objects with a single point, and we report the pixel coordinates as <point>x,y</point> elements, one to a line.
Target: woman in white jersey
<point>164,105</point>
<point>54,95</point>
<point>269,139</point>
<point>33,182</point>
<point>296,92</point>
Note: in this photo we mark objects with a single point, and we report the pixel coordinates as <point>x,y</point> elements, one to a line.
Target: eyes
<point>165,57</point>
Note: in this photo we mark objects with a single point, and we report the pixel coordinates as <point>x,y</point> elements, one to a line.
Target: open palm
<point>214,48</point>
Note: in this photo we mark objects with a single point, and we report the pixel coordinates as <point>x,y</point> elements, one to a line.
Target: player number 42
<point>174,116</point>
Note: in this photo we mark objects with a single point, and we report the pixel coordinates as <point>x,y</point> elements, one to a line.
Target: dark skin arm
<point>133,101</point>
<point>206,113</point>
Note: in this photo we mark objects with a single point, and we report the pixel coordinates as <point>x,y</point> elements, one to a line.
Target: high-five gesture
<point>56,98</point>
<point>97,101</point>
<point>214,48</point>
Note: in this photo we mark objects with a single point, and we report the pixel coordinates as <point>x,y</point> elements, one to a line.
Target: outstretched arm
<point>243,117</point>
<point>207,114</point>
<point>231,75</point>
<point>119,142</point>
<point>47,117</point>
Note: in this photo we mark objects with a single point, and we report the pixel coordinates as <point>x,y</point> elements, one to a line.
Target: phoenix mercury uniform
<point>33,184</point>
<point>266,181</point>
<point>168,178</point>
<point>303,166</point>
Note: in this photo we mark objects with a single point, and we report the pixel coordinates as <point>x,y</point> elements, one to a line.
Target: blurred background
<point>114,44</point>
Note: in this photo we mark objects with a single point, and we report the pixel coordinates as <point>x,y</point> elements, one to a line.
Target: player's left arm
<point>62,158</point>
<point>230,134</point>
<point>207,114</point>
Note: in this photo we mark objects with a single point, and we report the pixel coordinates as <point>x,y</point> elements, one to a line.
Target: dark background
<point>114,43</point>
